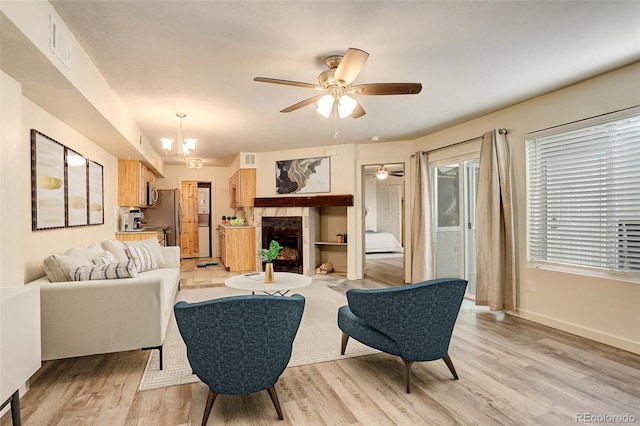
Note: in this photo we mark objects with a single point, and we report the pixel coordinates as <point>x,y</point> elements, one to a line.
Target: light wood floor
<point>512,372</point>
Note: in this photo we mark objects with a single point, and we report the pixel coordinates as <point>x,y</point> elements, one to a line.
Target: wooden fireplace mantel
<point>308,201</point>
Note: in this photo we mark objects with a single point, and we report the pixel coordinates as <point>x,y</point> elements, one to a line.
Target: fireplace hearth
<point>287,231</point>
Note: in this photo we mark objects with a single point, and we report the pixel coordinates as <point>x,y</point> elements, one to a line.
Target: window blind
<point>583,193</point>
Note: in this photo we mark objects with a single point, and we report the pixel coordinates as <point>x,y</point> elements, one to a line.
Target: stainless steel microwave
<point>152,195</point>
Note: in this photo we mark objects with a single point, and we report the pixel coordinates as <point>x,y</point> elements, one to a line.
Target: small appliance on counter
<point>133,221</point>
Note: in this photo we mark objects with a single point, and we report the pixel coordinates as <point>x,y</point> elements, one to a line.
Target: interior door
<point>189,236</point>
<point>395,211</point>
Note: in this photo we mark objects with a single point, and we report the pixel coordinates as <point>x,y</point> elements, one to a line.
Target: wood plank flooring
<point>512,372</point>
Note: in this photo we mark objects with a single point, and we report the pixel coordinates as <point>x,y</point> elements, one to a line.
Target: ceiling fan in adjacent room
<point>336,85</point>
<point>383,172</point>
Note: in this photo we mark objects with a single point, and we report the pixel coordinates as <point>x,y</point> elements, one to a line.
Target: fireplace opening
<point>287,231</point>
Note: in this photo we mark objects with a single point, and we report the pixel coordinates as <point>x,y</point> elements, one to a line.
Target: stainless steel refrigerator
<point>166,214</point>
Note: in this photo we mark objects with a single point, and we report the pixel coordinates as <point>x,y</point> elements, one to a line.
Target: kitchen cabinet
<point>133,177</point>
<point>242,188</point>
<point>237,247</point>
<point>189,242</point>
<point>140,236</point>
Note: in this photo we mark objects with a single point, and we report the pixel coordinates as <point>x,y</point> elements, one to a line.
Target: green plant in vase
<point>268,256</point>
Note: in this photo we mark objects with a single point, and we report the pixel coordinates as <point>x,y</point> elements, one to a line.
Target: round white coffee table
<point>284,281</point>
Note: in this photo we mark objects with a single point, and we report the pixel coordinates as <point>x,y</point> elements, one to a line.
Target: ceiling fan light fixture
<point>325,105</point>
<point>381,173</point>
<point>346,106</point>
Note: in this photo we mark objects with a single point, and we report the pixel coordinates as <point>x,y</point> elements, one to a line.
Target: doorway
<point>383,201</point>
<point>455,185</point>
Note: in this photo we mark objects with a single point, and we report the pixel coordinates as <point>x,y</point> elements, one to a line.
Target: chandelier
<point>184,148</point>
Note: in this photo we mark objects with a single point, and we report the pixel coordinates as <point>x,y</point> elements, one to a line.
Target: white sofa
<point>112,315</point>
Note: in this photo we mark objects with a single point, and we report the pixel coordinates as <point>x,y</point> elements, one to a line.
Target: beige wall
<point>23,250</point>
<point>602,309</point>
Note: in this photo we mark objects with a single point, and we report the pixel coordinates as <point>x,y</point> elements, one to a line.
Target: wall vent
<point>59,43</point>
<point>248,160</point>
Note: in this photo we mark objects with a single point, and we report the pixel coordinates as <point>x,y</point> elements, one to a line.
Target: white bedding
<point>381,242</point>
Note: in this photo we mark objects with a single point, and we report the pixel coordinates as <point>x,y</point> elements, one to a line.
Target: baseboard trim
<point>598,336</point>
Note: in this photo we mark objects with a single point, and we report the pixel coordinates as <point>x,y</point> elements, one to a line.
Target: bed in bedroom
<point>381,242</point>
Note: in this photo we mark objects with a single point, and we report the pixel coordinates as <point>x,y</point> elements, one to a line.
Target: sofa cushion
<point>142,257</point>
<point>104,258</point>
<point>105,271</point>
<point>155,248</point>
<point>91,252</point>
<point>116,248</point>
<point>58,267</point>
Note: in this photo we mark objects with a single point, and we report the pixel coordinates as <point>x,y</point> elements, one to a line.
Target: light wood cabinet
<point>242,188</point>
<point>189,244</point>
<point>133,177</point>
<point>140,236</point>
<point>238,248</point>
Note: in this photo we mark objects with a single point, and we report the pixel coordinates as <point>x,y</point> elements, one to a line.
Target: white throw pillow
<point>155,248</point>
<point>106,271</point>
<point>91,252</point>
<point>58,267</point>
<point>104,258</point>
<point>142,257</point>
<point>116,248</point>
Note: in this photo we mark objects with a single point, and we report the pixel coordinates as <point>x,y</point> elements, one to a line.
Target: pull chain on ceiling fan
<point>337,85</point>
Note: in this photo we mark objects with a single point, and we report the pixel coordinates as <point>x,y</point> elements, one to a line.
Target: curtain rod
<point>502,131</point>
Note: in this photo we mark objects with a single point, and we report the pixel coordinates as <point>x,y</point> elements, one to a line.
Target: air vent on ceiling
<point>58,42</point>
<point>248,160</point>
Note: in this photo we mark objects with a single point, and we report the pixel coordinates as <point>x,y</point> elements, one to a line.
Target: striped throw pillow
<point>106,271</point>
<point>142,256</point>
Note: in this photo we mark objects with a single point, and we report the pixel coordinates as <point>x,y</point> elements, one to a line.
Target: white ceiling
<point>472,57</point>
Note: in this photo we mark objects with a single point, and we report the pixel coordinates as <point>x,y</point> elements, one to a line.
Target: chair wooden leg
<point>447,360</point>
<point>407,367</point>
<point>274,399</point>
<point>207,408</point>
<point>345,339</point>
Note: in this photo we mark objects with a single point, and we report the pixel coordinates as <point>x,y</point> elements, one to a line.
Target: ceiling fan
<point>382,172</point>
<point>337,86</point>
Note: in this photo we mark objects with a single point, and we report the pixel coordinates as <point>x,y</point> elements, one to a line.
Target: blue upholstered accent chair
<point>414,321</point>
<point>240,344</point>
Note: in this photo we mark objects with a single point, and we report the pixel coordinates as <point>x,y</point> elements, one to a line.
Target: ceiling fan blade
<point>301,104</point>
<point>388,88</point>
<point>350,65</point>
<point>358,111</point>
<point>285,82</point>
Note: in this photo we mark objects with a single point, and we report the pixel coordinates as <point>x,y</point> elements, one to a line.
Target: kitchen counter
<point>235,227</point>
<point>141,235</point>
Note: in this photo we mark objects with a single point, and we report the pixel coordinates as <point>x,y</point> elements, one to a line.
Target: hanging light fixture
<point>184,148</point>
<point>382,173</point>
<point>337,102</point>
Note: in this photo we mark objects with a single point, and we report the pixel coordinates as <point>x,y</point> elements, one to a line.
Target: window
<point>583,194</point>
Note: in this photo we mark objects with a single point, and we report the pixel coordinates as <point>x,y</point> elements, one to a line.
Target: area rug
<point>318,338</point>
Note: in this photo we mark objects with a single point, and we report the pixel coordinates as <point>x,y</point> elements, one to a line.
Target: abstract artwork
<point>76,189</point>
<point>96,202</point>
<point>47,182</point>
<point>303,176</point>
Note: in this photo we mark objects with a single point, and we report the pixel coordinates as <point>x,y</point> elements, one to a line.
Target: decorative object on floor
<point>240,344</point>
<point>303,176</point>
<point>268,256</point>
<point>185,146</point>
<point>206,264</point>
<point>414,322</point>
<point>325,268</point>
<point>316,341</point>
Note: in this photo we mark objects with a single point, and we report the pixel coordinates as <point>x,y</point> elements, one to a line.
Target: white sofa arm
<point>171,256</point>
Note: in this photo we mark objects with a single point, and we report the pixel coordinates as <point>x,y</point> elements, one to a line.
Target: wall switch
<point>530,286</point>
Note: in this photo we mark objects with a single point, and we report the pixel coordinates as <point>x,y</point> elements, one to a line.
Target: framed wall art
<point>303,176</point>
<point>96,194</point>
<point>47,182</point>
<point>76,166</point>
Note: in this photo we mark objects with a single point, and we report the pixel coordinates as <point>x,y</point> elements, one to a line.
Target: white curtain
<point>422,241</point>
<point>495,249</point>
